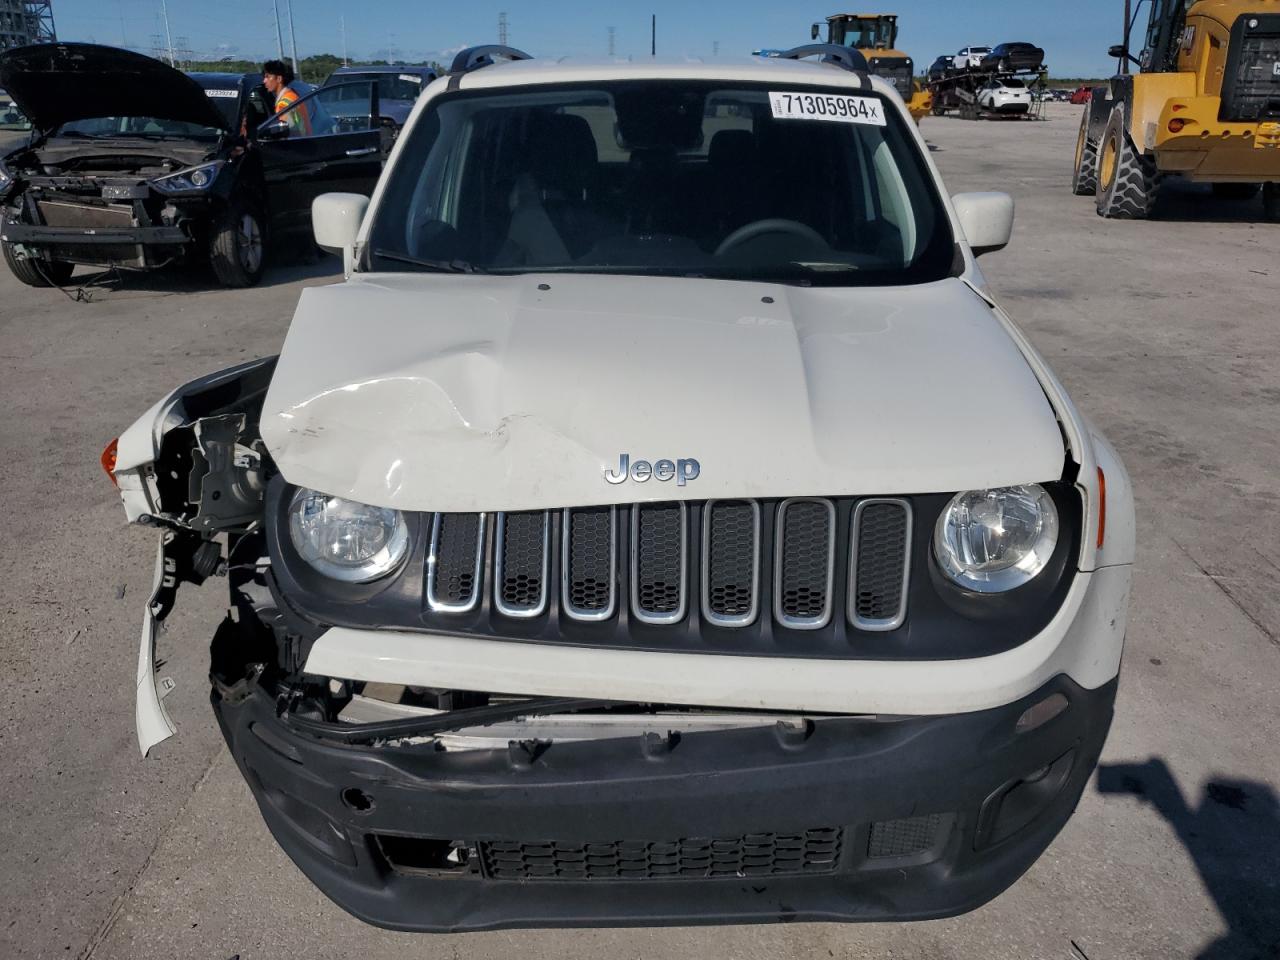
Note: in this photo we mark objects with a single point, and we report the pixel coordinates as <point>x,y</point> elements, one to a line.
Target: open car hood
<point>55,83</point>
<point>453,393</point>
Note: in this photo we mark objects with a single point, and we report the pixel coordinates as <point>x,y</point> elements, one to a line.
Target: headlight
<point>346,540</point>
<point>995,540</point>
<point>193,179</point>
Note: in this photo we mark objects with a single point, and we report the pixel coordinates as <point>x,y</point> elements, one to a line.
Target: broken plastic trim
<point>455,720</point>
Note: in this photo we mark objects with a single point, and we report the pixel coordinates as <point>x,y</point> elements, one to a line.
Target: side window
<point>339,108</point>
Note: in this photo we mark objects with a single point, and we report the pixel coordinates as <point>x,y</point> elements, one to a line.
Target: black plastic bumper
<point>36,234</point>
<point>918,817</point>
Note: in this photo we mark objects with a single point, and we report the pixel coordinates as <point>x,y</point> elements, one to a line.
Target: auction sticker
<point>827,106</point>
<point>222,93</point>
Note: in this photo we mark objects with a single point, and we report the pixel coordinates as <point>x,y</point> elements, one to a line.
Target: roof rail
<point>473,58</point>
<point>845,57</point>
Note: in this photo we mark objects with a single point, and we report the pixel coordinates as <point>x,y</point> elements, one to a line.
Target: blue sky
<point>1075,35</point>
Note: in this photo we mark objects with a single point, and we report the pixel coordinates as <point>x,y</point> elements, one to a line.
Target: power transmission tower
<point>40,20</point>
<point>168,34</point>
<point>293,40</point>
<point>275,9</point>
<point>715,48</point>
<point>612,33</point>
<point>502,28</point>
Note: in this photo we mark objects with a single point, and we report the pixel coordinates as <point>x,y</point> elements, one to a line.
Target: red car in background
<point>1082,95</point>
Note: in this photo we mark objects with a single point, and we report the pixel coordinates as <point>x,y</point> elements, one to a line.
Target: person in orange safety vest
<point>277,77</point>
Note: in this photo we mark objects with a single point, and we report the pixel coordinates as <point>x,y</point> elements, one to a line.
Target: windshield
<point>868,33</point>
<point>786,184</point>
<point>145,127</point>
<point>391,86</point>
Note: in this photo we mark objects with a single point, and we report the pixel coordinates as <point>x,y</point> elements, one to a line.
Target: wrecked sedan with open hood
<point>136,165</point>
<point>660,524</point>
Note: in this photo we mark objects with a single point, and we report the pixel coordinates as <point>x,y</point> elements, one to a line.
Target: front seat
<point>552,221</point>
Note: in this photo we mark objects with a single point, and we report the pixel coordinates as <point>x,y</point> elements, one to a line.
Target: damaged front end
<point>463,743</point>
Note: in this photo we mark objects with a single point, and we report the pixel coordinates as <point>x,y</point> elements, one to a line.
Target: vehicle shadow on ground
<point>1195,203</point>
<point>1233,836</point>
<point>190,279</point>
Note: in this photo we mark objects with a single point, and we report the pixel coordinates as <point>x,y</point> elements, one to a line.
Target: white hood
<point>468,393</point>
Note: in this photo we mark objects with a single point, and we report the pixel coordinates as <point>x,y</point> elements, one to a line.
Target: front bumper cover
<point>999,798</point>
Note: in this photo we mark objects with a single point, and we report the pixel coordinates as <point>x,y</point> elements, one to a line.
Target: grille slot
<point>521,556</point>
<point>891,839</point>
<point>731,562</point>
<point>589,571</point>
<point>878,567</point>
<point>804,565</point>
<point>754,855</point>
<point>659,556</point>
<point>454,563</point>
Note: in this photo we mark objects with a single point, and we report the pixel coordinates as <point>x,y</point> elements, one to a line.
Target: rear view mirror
<point>1117,50</point>
<point>335,220</point>
<point>814,31</point>
<point>986,219</point>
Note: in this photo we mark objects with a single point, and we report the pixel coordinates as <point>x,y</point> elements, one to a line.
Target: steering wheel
<point>770,225</point>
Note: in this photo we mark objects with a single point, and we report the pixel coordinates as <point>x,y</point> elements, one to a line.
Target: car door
<point>329,140</point>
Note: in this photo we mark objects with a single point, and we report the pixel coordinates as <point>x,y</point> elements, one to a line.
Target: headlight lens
<point>189,180</point>
<point>346,540</point>
<point>996,540</point>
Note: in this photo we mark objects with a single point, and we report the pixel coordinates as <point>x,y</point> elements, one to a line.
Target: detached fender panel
<point>194,465</point>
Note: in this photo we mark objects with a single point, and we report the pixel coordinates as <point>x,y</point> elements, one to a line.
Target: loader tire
<point>35,272</point>
<point>1084,179</point>
<point>1127,180</point>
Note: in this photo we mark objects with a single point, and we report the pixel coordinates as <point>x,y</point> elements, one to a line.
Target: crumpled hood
<point>466,393</point>
<point>55,83</point>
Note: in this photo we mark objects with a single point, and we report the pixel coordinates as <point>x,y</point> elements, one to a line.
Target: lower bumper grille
<point>815,851</point>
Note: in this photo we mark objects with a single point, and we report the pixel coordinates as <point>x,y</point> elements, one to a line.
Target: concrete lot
<point>1166,334</point>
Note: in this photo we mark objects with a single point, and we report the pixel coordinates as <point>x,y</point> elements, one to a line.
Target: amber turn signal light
<point>1102,507</point>
<point>108,460</point>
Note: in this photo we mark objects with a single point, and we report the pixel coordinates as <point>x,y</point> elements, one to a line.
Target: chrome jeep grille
<point>806,561</point>
<point>454,563</point>
<point>521,561</point>
<point>590,563</point>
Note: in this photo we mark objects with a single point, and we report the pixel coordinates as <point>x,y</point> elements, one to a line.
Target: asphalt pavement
<point>1166,334</point>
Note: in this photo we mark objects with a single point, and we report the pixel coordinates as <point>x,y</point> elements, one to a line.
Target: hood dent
<point>502,397</point>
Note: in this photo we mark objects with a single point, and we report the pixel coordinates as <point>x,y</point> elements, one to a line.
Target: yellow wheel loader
<point>875,36</point>
<point>1205,105</point>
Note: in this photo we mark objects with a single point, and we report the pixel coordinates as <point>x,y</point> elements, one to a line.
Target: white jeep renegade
<point>660,524</point>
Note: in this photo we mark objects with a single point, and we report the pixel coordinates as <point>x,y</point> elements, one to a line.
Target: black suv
<point>134,164</point>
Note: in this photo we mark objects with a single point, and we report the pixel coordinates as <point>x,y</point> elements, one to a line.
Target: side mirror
<point>1117,50</point>
<point>814,31</point>
<point>335,221</point>
<point>274,129</point>
<point>986,219</point>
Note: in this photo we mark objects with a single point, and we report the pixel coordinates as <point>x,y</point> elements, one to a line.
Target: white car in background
<point>661,524</point>
<point>1005,96</point>
<point>969,57</point>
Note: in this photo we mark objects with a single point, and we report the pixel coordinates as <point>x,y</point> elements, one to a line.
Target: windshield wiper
<point>442,266</point>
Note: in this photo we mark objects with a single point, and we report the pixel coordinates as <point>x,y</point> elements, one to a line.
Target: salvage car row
<point>133,164</point>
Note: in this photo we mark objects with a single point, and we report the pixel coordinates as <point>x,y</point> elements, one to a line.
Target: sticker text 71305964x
<point>827,106</point>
